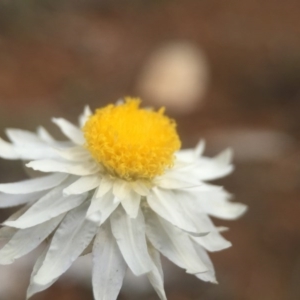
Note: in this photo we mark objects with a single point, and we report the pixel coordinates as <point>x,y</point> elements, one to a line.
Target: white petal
<point>108,265</point>
<point>34,288</point>
<point>209,169</point>
<point>187,202</point>
<point>176,180</point>
<point>73,153</point>
<point>200,148</point>
<point>225,157</point>
<point>106,184</point>
<point>84,116</point>
<point>9,200</point>
<point>120,188</point>
<point>80,169</point>
<point>140,187</point>
<point>18,213</point>
<point>70,131</point>
<point>156,276</point>
<point>28,145</point>
<point>48,207</point>
<point>192,206</point>
<point>173,243</point>
<point>204,187</point>
<point>22,137</point>
<point>210,274</point>
<point>7,150</point>
<point>186,155</point>
<point>191,155</point>
<point>129,198</point>
<point>217,204</point>
<point>132,204</point>
<point>162,202</point>
<point>36,151</point>
<point>45,136</point>
<point>130,236</point>
<point>6,233</point>
<point>213,241</point>
<point>33,185</point>
<point>83,184</point>
<point>70,239</point>
<point>102,207</point>
<point>26,240</point>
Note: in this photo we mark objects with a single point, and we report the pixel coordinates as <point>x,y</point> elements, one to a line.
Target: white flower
<point>121,189</point>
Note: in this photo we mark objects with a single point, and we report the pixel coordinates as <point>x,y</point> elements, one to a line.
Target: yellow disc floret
<point>130,142</point>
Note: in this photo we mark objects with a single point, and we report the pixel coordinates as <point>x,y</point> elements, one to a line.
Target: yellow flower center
<point>130,142</point>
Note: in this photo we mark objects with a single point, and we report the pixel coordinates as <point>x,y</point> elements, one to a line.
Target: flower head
<point>130,142</point>
<point>119,188</point>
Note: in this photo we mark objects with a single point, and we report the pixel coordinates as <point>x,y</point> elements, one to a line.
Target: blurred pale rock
<point>176,76</point>
<point>252,144</point>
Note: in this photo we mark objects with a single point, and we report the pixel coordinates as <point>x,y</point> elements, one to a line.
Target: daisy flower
<point>119,188</point>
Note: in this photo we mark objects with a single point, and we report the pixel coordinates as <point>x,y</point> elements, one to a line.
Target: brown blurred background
<point>228,71</point>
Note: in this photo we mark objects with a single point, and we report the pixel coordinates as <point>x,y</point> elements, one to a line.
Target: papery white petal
<point>191,211</point>
<point>70,239</point>
<point>213,241</point>
<point>26,240</point>
<point>22,137</point>
<point>73,153</point>
<point>34,288</point>
<point>27,146</point>
<point>106,184</point>
<point>108,265</point>
<point>129,198</point>
<point>156,276</point>
<point>130,236</point>
<point>69,130</point>
<point>208,169</point>
<point>217,204</point>
<point>188,203</point>
<point>102,207</point>
<point>162,202</point>
<point>173,243</point>
<point>6,233</point>
<point>33,185</point>
<point>210,274</point>
<point>176,180</point>
<point>132,204</point>
<point>48,207</point>
<point>45,136</point>
<point>80,169</point>
<point>7,150</point>
<point>18,213</point>
<point>120,188</point>
<point>186,155</point>
<point>200,148</point>
<point>140,187</point>
<point>83,184</point>
<point>225,157</point>
<point>36,151</point>
<point>84,116</point>
<point>191,155</point>
<point>204,187</point>
<point>10,200</point>
<point>191,205</point>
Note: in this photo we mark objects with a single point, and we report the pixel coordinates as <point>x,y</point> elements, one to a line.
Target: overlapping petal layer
<point>79,207</point>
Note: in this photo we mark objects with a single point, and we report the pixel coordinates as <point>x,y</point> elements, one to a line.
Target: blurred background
<point>227,71</point>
